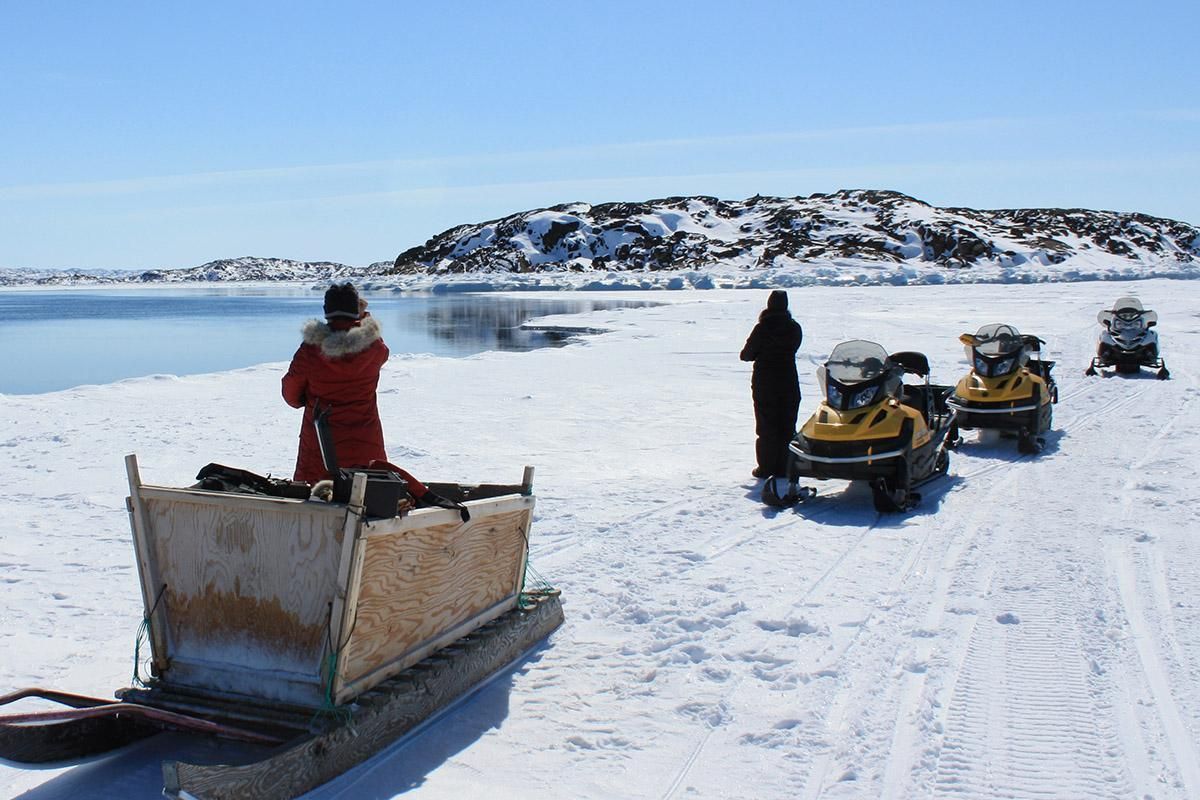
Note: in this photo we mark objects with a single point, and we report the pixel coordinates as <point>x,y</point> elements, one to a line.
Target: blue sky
<point>141,135</point>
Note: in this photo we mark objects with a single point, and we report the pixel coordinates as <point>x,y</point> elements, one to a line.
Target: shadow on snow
<point>850,503</point>
<point>135,771</point>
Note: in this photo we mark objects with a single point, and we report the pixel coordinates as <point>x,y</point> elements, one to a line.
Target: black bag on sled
<point>220,478</point>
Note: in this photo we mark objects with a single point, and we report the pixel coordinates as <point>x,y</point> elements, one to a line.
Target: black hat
<point>777,301</point>
<point>341,300</point>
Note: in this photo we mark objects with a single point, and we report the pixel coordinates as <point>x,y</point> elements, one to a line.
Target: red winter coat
<point>340,369</point>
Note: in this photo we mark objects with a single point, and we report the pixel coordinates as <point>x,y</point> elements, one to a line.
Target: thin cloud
<point>216,179</point>
<point>621,186</point>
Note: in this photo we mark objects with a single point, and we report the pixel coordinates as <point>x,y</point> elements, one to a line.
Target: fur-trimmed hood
<point>337,344</point>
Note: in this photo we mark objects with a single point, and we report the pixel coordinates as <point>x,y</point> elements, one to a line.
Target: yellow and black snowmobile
<point>871,426</point>
<point>1007,388</point>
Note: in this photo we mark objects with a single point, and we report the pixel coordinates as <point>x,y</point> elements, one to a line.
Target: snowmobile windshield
<point>1127,314</point>
<point>857,375</point>
<point>997,340</point>
<point>997,350</point>
<point>1128,319</point>
<point>1127,304</point>
<point>857,361</point>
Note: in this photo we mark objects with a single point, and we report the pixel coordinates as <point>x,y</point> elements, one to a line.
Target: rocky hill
<point>250,268</point>
<point>849,236</point>
<point>698,233</point>
<point>246,268</point>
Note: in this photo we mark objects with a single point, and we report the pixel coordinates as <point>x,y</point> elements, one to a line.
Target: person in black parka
<point>775,385</point>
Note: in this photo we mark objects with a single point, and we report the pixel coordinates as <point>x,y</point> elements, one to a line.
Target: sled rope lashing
<point>143,632</point>
<point>528,598</point>
<point>329,708</point>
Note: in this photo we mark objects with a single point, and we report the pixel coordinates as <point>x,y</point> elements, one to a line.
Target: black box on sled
<point>387,493</point>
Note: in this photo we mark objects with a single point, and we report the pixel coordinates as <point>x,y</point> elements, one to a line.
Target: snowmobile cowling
<point>1006,388</point>
<point>871,426</point>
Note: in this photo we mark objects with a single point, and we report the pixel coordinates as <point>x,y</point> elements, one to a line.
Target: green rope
<point>143,633</point>
<point>329,709</point>
<point>528,598</point>
<point>540,587</point>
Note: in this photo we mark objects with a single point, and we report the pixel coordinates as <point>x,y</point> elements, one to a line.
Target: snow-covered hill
<point>858,237</point>
<point>250,268</point>
<point>20,276</point>
<point>881,229</point>
<point>246,268</point>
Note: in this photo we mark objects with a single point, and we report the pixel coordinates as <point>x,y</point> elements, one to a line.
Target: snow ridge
<point>245,268</point>
<point>869,227</point>
<point>861,237</point>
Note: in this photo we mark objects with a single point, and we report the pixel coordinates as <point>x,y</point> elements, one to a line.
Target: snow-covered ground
<point>1031,630</point>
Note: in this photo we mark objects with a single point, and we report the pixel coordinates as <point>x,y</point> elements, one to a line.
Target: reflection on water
<point>58,339</point>
<point>498,325</point>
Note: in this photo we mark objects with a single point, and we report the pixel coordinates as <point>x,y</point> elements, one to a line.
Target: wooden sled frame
<point>312,603</point>
<point>360,630</point>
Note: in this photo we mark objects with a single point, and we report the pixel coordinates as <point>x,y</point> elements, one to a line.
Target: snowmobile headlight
<point>981,365</point>
<point>1005,366</point>
<point>833,395</point>
<point>864,397</point>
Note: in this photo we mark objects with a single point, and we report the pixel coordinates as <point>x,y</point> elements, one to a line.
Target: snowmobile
<point>871,426</point>
<point>1007,389</point>
<point>1127,342</point>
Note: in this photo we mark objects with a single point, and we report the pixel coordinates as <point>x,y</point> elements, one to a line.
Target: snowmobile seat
<point>917,398</point>
<point>1032,343</point>
<point>929,399</point>
<point>939,394</point>
<point>911,361</point>
<point>1040,368</point>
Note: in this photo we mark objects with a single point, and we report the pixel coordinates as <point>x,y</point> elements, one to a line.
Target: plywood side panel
<point>417,584</point>
<point>237,500</point>
<point>248,584</point>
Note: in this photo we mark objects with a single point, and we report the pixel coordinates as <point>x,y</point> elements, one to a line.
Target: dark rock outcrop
<point>691,233</point>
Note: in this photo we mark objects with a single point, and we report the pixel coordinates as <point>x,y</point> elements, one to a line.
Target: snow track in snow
<point>1022,716</point>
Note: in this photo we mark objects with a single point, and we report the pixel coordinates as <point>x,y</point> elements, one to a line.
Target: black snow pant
<point>775,424</point>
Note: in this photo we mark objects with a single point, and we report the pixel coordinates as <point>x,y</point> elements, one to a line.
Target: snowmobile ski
<point>792,496</point>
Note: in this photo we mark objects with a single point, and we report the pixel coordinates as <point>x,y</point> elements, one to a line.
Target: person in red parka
<point>337,367</point>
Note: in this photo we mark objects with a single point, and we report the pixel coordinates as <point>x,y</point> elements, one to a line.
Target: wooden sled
<point>309,632</point>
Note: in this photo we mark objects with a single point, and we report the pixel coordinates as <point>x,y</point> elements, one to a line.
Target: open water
<point>51,340</point>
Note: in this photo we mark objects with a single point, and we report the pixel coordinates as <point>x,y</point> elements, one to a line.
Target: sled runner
<point>311,632</point>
